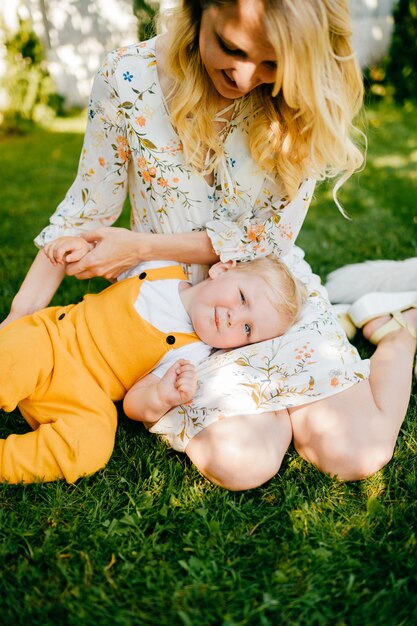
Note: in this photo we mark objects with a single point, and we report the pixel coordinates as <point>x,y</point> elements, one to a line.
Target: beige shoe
<point>375,305</point>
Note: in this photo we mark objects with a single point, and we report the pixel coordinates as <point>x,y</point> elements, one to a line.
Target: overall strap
<point>168,272</point>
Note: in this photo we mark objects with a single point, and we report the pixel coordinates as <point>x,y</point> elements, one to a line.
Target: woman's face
<point>234,48</point>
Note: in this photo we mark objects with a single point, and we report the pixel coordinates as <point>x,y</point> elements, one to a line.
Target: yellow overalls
<point>64,367</point>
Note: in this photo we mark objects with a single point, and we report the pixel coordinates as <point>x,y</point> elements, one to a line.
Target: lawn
<point>148,541</point>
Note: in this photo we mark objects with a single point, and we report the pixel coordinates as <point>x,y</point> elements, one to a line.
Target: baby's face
<point>234,309</point>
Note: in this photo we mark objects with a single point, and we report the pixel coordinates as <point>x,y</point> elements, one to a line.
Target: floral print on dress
<point>311,361</point>
<point>131,146</point>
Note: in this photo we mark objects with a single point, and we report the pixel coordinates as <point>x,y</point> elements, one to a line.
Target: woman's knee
<point>235,469</point>
<point>242,452</point>
<point>347,462</point>
<point>344,435</point>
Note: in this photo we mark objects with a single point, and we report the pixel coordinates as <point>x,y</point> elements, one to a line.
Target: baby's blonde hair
<point>303,125</point>
<point>288,292</point>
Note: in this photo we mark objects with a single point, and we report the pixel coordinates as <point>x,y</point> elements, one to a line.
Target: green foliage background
<point>396,76</point>
<point>31,91</point>
<point>146,13</point>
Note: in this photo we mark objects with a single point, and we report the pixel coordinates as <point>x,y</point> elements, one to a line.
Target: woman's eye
<point>227,50</point>
<point>272,65</point>
<point>247,329</point>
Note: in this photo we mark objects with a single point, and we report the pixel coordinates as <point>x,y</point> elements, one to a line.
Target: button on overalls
<point>64,367</point>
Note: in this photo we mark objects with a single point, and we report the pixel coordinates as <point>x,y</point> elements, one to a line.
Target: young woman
<point>219,129</point>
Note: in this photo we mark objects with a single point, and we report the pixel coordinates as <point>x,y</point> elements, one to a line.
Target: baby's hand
<point>67,249</point>
<point>178,384</point>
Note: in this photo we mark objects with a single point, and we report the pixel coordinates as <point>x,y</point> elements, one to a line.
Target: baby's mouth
<point>216,318</point>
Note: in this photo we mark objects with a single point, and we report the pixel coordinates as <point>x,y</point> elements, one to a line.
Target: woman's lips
<point>229,81</point>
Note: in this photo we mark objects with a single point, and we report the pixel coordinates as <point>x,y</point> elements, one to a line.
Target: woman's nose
<point>245,75</point>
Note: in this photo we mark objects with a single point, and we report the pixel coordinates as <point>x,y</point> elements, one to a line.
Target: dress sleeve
<point>271,226</point>
<point>98,192</point>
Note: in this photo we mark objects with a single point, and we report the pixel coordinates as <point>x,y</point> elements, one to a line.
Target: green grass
<point>147,540</point>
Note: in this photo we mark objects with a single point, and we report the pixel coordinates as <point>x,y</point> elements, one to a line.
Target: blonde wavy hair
<point>301,127</point>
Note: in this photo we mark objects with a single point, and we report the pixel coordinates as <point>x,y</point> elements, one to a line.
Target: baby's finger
<point>187,385</point>
<point>186,395</point>
<point>181,362</point>
<point>64,250</point>
<point>78,253</point>
<point>186,375</point>
<point>49,252</point>
<point>186,366</point>
<point>74,255</point>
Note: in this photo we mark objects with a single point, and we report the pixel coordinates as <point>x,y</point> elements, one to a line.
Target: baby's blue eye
<point>247,329</point>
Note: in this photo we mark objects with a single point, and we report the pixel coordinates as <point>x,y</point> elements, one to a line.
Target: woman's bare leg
<point>243,451</point>
<point>352,434</point>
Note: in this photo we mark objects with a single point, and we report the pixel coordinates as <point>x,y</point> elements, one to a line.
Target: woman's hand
<point>114,251</point>
<point>118,249</point>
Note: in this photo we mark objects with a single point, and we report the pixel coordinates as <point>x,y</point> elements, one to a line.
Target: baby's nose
<point>232,317</point>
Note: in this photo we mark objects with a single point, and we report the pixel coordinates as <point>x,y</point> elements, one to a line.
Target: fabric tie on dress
<point>224,177</point>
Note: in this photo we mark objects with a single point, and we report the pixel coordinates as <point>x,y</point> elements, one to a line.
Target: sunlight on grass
<point>395,160</point>
<point>72,124</point>
<point>374,486</point>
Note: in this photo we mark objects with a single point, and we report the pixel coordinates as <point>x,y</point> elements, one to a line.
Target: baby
<point>136,341</point>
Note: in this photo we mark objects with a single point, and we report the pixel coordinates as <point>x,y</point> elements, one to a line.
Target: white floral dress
<point>130,144</point>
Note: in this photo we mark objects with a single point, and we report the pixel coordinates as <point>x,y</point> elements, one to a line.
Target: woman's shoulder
<point>142,52</point>
<point>140,48</point>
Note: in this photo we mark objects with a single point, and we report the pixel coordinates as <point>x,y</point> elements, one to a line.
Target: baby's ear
<point>219,268</point>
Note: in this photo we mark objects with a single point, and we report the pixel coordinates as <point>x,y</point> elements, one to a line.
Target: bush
<point>30,89</point>
<point>396,76</point>
<point>146,14</point>
<point>402,63</point>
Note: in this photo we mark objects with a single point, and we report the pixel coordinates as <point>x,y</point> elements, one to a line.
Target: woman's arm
<point>118,249</point>
<point>37,289</point>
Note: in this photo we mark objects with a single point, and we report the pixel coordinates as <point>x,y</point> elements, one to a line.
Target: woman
<point>219,129</point>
